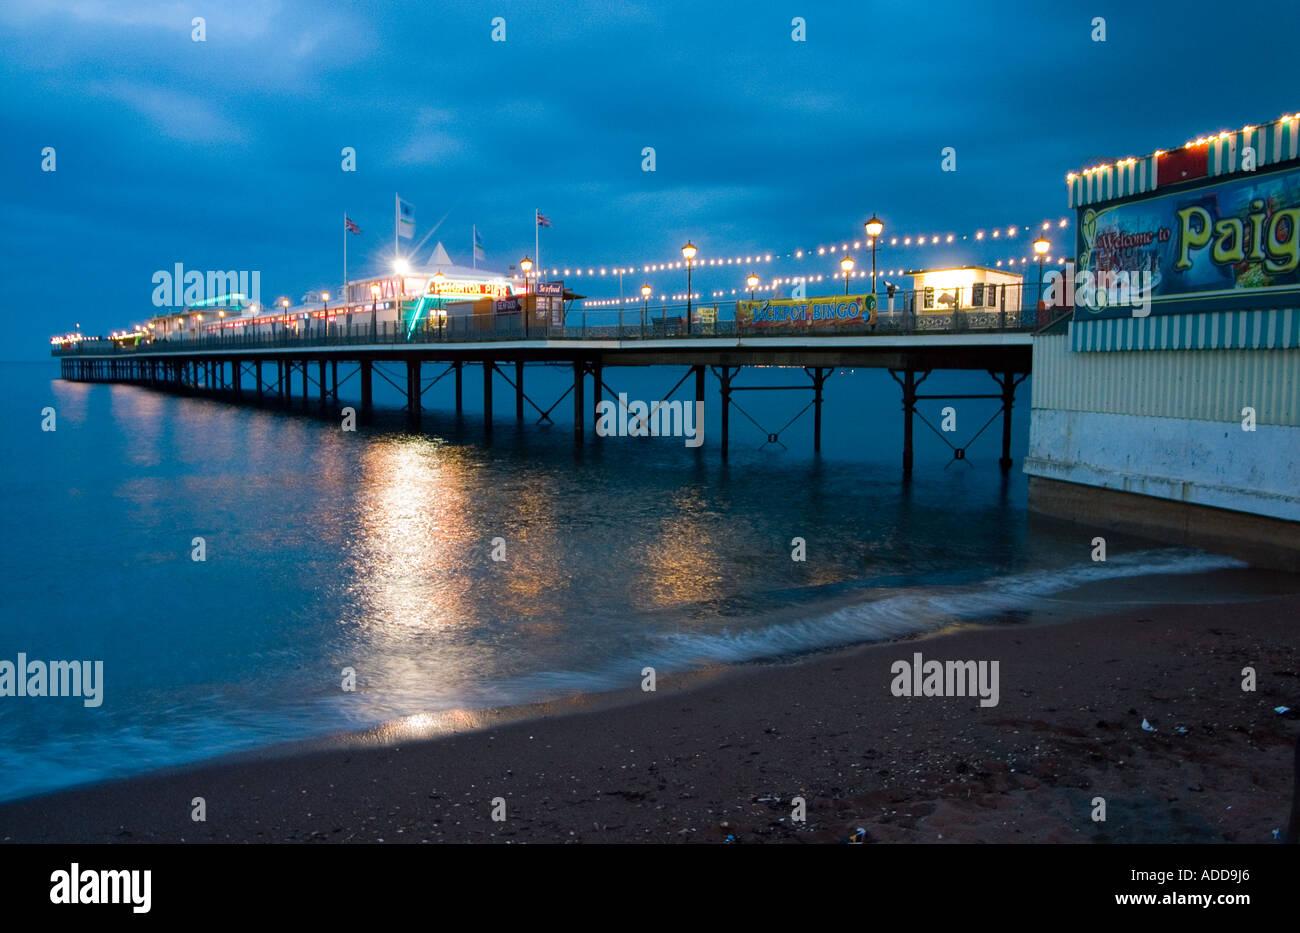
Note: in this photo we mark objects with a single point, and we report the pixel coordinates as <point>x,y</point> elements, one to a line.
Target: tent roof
<point>440,261</point>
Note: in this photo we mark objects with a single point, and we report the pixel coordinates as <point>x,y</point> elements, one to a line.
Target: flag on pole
<point>478,246</point>
<point>543,220</point>
<point>405,219</point>
<point>349,226</point>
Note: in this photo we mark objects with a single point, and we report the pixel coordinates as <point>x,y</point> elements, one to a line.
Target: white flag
<point>405,219</point>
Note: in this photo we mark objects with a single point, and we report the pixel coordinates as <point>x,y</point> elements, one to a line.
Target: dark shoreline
<point>702,758</point>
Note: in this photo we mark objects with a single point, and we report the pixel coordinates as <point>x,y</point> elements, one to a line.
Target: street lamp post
<point>645,305</point>
<point>846,266</point>
<point>689,252</point>
<point>1041,246</point>
<point>874,229</point>
<point>438,279</point>
<point>526,265</point>
<point>374,310</point>
<point>752,281</point>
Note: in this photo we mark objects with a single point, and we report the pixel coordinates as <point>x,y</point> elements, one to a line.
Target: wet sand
<point>718,757</point>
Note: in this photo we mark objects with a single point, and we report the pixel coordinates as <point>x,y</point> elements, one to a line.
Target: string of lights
<point>771,285</point>
<point>832,249</point>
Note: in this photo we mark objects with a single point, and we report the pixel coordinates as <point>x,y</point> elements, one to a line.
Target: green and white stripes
<point>1273,143</point>
<point>1129,176</point>
<point>1272,329</point>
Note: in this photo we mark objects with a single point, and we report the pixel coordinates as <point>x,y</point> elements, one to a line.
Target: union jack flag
<point>349,226</point>
<point>543,220</point>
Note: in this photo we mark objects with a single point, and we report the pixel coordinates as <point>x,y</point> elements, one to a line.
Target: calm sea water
<point>372,550</point>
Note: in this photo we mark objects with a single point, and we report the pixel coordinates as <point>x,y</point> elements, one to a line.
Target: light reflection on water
<point>372,550</point>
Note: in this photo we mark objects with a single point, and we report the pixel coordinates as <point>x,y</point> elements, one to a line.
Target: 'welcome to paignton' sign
<point>1226,246</point>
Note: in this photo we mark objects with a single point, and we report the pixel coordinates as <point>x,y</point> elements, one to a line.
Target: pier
<point>307,370</point>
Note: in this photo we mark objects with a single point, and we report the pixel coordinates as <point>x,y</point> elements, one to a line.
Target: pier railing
<point>906,313</point>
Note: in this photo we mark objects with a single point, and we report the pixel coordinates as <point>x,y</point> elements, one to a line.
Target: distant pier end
<point>1169,405</point>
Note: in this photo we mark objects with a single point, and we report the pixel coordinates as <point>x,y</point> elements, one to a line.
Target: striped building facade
<point>1179,423</point>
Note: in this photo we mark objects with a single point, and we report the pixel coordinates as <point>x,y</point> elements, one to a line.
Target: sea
<point>453,569</point>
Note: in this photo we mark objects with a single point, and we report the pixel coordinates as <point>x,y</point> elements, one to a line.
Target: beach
<point>717,757</point>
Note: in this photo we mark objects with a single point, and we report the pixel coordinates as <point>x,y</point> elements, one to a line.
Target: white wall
<point>1168,424</point>
<point>1210,463</point>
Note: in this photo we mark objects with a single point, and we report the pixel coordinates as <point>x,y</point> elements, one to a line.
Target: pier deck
<point>233,367</point>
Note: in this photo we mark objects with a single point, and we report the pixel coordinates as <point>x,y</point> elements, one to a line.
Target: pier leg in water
<point>487,395</point>
<point>413,406</point>
<point>334,379</point>
<point>306,390</point>
<point>597,374</point>
<point>579,409</point>
<point>365,391</point>
<point>909,407</point>
<point>725,377</point>
<point>324,384</point>
<point>1008,400</point>
<point>519,390</point>
<point>819,380</point>
<point>459,408</point>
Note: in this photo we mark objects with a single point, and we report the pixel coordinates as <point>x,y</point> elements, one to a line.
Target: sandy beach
<point>718,757</point>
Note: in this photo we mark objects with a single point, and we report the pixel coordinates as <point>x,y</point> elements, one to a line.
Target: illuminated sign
<point>808,312</point>
<point>461,290</point>
<point>1230,245</point>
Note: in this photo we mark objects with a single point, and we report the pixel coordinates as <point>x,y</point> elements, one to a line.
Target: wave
<point>919,611</point>
<point>54,763</point>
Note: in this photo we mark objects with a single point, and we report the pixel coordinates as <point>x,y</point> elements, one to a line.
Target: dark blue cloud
<point>225,154</point>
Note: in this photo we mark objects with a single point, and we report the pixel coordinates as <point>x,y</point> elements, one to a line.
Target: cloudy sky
<point>226,153</point>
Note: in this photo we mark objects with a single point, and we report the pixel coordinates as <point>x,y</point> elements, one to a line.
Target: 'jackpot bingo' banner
<point>808,312</point>
<point>1225,246</point>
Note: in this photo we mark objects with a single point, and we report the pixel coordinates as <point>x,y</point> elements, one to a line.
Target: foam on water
<point>925,610</point>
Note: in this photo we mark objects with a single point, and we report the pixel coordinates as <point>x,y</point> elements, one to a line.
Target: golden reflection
<point>682,562</point>
<point>537,556</point>
<point>427,725</point>
<point>411,509</point>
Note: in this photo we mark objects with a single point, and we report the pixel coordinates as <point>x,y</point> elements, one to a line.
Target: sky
<point>226,154</point>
